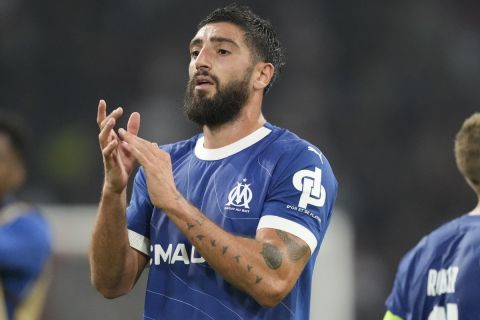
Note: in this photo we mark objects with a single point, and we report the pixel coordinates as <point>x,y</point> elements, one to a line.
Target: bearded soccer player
<point>232,219</point>
<point>439,278</point>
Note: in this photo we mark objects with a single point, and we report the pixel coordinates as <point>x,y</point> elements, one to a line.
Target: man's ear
<point>263,75</point>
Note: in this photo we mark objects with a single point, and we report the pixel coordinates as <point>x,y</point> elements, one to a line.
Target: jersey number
<point>442,313</point>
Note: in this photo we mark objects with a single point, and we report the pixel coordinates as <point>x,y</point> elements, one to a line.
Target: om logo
<point>309,183</point>
<point>240,196</point>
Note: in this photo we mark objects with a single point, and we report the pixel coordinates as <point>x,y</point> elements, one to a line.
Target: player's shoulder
<point>20,211</point>
<point>285,140</point>
<point>450,233</point>
<point>27,221</point>
<point>294,149</point>
<point>458,231</point>
<point>453,228</point>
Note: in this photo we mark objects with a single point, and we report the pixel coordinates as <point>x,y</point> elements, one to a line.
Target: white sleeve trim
<point>139,242</point>
<point>289,226</point>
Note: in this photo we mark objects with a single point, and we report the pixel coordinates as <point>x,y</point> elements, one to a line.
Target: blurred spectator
<point>25,240</point>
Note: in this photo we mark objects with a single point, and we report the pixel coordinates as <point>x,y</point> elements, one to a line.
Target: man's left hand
<point>158,169</point>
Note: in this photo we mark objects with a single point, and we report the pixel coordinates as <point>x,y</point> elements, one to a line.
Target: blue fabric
<point>441,272</point>
<point>234,192</point>
<point>25,245</point>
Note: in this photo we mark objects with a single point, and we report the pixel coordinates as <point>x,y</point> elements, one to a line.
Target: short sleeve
<point>301,195</point>
<point>139,213</point>
<point>397,301</point>
<point>25,244</point>
<point>390,316</point>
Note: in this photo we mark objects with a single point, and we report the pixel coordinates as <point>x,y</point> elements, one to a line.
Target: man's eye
<point>194,53</point>
<point>223,51</point>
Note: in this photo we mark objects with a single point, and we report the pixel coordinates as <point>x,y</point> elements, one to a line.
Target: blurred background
<point>381,87</point>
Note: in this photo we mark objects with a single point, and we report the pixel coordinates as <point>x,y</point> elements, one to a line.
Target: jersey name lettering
<point>441,281</point>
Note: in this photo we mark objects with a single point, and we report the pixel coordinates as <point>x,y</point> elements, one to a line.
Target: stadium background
<point>381,87</point>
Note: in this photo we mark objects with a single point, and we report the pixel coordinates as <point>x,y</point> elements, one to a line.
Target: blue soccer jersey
<point>439,278</point>
<point>269,179</point>
<point>25,246</point>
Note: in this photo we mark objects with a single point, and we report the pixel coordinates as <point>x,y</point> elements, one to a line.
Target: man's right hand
<point>118,162</point>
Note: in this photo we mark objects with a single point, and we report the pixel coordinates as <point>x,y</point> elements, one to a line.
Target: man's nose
<point>203,60</point>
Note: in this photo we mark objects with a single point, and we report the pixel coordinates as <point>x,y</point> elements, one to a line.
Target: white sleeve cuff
<point>289,226</point>
<point>139,242</point>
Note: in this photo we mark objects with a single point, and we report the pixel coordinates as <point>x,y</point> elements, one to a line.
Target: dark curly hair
<point>259,35</point>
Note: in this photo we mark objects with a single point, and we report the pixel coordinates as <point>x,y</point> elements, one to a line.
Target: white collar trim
<point>220,153</point>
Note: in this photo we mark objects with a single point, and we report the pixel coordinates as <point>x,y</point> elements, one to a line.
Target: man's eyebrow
<point>223,39</point>
<point>198,41</point>
<point>195,42</point>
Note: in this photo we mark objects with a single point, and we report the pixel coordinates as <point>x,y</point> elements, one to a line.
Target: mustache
<point>204,73</point>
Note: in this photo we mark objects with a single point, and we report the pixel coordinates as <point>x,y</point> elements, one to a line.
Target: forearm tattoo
<point>294,251</point>
<point>272,256</point>
<point>224,249</point>
<point>198,222</point>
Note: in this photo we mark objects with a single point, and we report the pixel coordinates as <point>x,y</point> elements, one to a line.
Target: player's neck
<point>249,120</point>
<point>476,211</point>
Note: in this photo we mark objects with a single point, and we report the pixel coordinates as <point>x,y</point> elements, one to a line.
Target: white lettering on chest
<point>170,256</point>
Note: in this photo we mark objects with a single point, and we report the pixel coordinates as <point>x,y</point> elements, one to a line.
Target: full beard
<point>223,107</point>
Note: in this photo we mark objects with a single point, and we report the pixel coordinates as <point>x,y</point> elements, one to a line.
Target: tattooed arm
<point>266,268</point>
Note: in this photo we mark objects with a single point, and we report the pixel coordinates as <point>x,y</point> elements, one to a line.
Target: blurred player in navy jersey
<point>439,278</point>
<point>25,240</point>
<point>231,220</point>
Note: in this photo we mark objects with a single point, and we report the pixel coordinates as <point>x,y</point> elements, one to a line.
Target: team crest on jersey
<point>239,197</point>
